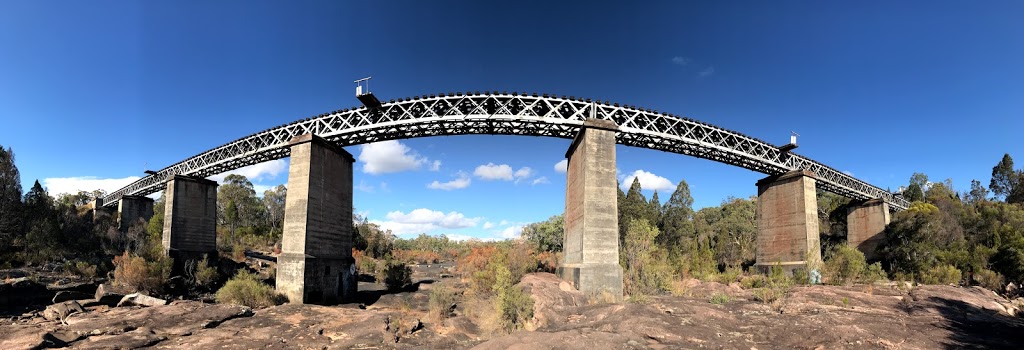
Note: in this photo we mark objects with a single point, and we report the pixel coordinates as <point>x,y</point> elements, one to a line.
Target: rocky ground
<point>815,317</point>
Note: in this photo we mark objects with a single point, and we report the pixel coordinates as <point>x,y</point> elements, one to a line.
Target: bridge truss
<point>510,114</point>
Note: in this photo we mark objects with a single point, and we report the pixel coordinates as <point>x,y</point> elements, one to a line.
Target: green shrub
<point>843,264</point>
<point>769,294</point>
<point>514,306</point>
<point>397,275</point>
<point>200,272</point>
<point>753,281</point>
<point>874,273</point>
<point>719,299</point>
<point>84,269</point>
<point>246,289</point>
<point>990,279</point>
<point>441,300</point>
<point>135,273</point>
<point>941,274</point>
<point>801,276</point>
<point>730,275</point>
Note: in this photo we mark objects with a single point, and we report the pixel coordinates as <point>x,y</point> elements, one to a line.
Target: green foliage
<point>843,265</point>
<point>274,201</point>
<point>546,235</point>
<point>644,264</point>
<point>1009,261</point>
<point>1004,178</point>
<point>941,274</point>
<point>730,275</point>
<point>135,273</point>
<point>397,275</point>
<point>719,299</point>
<point>373,241</point>
<point>990,279</point>
<point>10,201</point>
<point>514,306</point>
<point>677,231</point>
<point>874,273</point>
<point>442,298</point>
<point>201,273</point>
<point>245,288</point>
<point>977,194</point>
<point>632,206</point>
<point>732,229</point>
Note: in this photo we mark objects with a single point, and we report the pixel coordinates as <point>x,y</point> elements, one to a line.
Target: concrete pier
<point>591,243</point>
<point>865,225</point>
<point>787,221</point>
<point>190,219</point>
<point>133,208</point>
<point>99,212</point>
<point>316,262</point>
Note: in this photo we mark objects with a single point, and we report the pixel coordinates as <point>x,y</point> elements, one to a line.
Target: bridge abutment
<point>133,208</point>
<point>99,212</point>
<point>591,242</point>
<point>865,225</point>
<point>787,221</point>
<point>316,262</point>
<point>190,220</point>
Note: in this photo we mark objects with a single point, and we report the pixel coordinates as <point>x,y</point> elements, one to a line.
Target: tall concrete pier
<point>591,243</point>
<point>190,219</point>
<point>865,225</point>
<point>787,221</point>
<point>316,262</point>
<point>133,208</point>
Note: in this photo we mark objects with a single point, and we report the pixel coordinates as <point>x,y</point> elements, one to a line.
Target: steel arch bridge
<point>509,114</point>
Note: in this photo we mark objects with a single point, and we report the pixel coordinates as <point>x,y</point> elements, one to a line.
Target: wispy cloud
<point>71,185</point>
<point>679,60</point>
<point>424,220</point>
<point>540,180</point>
<point>706,72</point>
<point>461,182</point>
<point>257,172</point>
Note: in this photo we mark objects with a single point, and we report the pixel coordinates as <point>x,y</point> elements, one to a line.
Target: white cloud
<point>503,223</point>
<point>706,72</point>
<point>363,186</point>
<point>462,238</point>
<point>71,185</point>
<point>435,166</point>
<point>682,61</point>
<point>494,172</point>
<point>847,172</point>
<point>511,232</point>
<point>257,172</point>
<point>461,182</point>
<point>488,225</point>
<point>540,180</point>
<point>389,157</point>
<point>562,166</point>
<point>648,181</point>
<point>423,221</point>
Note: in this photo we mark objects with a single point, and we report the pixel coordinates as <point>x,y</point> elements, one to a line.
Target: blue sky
<point>91,93</point>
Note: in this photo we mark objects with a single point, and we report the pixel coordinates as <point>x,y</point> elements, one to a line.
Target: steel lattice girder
<point>510,114</point>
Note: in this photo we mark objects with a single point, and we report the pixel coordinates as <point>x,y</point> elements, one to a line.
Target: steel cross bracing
<point>510,114</point>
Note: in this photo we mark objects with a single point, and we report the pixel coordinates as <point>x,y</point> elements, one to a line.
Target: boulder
<point>66,295</point>
<point>106,295</point>
<point>137,299</point>
<point>61,311</point>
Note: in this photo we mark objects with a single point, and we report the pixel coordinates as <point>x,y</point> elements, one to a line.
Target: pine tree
<point>677,221</point>
<point>10,200</point>
<point>632,208</point>
<point>1004,179</point>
